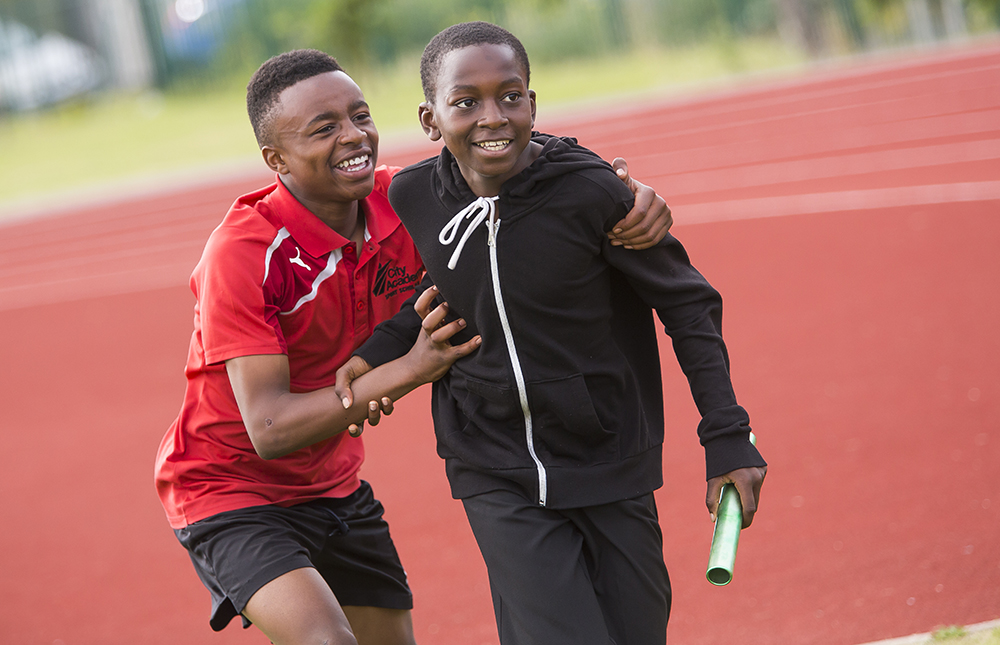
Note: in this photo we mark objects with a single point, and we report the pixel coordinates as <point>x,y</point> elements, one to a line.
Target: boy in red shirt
<point>256,475</point>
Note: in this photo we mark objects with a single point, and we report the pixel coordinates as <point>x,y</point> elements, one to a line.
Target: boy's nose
<point>493,117</point>
<point>352,134</point>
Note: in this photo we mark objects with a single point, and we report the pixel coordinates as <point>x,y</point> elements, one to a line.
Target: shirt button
<point>361,306</point>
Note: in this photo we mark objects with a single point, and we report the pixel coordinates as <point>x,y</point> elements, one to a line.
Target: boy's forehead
<point>461,64</point>
<point>330,91</point>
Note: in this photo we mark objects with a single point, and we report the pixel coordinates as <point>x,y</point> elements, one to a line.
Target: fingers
<point>651,231</point>
<point>628,227</point>
<point>423,304</point>
<point>343,390</point>
<point>646,210</point>
<point>648,221</point>
<point>621,168</point>
<point>352,369</point>
<point>374,413</point>
<point>747,481</point>
<point>468,347</point>
<point>435,317</point>
<point>439,331</point>
<point>443,334</point>
<point>712,496</point>
<point>387,405</point>
<point>664,220</point>
<point>637,234</point>
<point>377,408</point>
<point>748,500</point>
<point>753,494</point>
<point>639,215</point>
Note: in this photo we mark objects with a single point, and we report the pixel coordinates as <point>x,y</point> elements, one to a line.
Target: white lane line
<point>850,200</point>
<point>85,286</point>
<point>82,285</point>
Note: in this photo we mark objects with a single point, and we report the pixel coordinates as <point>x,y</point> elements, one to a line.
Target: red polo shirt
<point>274,279</point>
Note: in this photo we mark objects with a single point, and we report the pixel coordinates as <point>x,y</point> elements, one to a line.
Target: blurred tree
<point>618,31</point>
<point>800,24</point>
<point>370,35</point>
<point>848,13</point>
<point>346,28</point>
<point>992,6</point>
<point>935,19</point>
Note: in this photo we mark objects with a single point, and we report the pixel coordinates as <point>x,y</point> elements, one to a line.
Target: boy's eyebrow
<point>513,80</point>
<point>330,114</point>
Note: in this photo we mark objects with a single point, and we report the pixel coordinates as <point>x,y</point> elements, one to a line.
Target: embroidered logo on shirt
<point>390,280</point>
<point>298,260</point>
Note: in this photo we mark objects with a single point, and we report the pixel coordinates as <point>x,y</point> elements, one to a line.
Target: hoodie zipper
<point>522,392</point>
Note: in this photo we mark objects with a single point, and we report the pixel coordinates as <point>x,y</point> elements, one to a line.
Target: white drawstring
<point>479,210</point>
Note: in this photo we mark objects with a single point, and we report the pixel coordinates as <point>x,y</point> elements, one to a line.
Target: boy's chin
<point>362,189</point>
<point>492,167</point>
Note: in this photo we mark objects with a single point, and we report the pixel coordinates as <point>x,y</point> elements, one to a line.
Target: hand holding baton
<point>728,524</point>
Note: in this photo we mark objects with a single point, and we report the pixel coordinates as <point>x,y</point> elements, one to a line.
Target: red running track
<point>850,217</point>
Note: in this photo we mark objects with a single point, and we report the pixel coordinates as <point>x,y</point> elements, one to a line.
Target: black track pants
<point>581,576</point>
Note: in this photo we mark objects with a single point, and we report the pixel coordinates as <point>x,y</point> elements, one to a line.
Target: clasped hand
<point>428,360</point>
<point>747,482</point>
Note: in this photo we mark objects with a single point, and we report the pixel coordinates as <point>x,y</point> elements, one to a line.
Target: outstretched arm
<point>648,221</point>
<point>280,421</point>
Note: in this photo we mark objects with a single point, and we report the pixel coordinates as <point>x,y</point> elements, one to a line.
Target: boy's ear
<point>426,115</point>
<point>531,99</point>
<point>274,160</point>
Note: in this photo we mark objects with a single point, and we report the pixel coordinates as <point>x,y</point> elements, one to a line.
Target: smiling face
<point>484,112</point>
<point>326,144</point>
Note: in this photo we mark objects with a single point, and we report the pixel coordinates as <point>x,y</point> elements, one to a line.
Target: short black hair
<point>466,34</point>
<point>276,75</point>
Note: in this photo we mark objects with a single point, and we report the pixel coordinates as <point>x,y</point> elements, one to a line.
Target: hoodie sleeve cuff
<point>731,452</point>
<point>382,347</point>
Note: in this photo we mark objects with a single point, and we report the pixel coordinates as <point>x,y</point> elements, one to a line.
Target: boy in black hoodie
<point>552,432</point>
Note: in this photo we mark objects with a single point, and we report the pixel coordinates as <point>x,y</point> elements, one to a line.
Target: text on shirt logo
<point>389,280</point>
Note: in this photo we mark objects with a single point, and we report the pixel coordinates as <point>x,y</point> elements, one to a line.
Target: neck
<point>345,218</point>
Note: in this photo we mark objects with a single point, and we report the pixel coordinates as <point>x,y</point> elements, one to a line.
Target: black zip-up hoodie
<point>563,400</point>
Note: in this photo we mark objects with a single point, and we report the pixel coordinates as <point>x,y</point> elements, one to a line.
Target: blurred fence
<point>52,50</point>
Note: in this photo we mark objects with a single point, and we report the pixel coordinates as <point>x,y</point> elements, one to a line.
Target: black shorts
<point>235,553</point>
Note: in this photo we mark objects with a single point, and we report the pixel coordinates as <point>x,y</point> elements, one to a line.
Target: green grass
<point>957,635</point>
<point>137,136</point>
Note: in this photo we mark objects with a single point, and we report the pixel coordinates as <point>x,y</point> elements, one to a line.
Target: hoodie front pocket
<point>567,428</point>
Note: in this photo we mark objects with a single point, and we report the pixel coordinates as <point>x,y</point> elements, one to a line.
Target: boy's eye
<point>464,103</point>
<point>512,97</point>
<point>326,128</point>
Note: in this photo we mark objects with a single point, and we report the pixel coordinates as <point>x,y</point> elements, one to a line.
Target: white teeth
<point>357,161</point>
<point>494,145</point>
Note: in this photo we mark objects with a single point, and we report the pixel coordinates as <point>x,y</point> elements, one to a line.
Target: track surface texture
<point>849,216</point>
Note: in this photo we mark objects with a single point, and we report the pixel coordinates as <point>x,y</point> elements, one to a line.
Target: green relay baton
<point>728,524</point>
